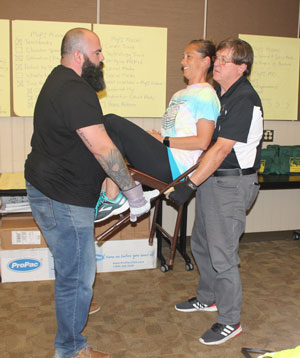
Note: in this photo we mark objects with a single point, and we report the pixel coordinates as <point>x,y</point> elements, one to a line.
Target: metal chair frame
<point>156,226</point>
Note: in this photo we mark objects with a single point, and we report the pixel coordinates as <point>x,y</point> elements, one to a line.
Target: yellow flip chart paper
<point>134,71</point>
<point>36,51</point>
<point>12,181</point>
<point>275,75</point>
<point>4,69</point>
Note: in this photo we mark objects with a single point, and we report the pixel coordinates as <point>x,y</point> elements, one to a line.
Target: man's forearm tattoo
<point>114,166</point>
<point>84,138</point>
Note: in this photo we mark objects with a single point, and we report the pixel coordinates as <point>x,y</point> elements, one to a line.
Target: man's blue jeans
<point>69,233</point>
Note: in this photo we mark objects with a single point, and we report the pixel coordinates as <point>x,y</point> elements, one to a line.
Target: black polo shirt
<point>60,165</point>
<point>241,120</point>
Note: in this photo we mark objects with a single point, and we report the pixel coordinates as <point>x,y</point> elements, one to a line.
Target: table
<point>278,181</point>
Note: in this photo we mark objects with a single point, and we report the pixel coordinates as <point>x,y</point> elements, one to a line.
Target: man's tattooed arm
<point>115,167</point>
<point>109,158</point>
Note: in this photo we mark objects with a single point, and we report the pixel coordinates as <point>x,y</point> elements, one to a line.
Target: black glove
<point>182,192</point>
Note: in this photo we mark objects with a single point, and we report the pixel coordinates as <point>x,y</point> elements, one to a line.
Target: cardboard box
<point>128,249</point>
<point>20,231</point>
<point>38,265</point>
<point>126,255</point>
<point>129,231</point>
<point>26,265</point>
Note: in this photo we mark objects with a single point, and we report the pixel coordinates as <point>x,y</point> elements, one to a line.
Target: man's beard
<point>93,74</point>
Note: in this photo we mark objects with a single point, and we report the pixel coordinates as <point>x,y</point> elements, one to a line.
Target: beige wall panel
<point>53,10</point>
<point>170,215</point>
<point>147,123</point>
<point>28,129</point>
<point>256,17</point>
<point>15,135</point>
<point>275,210</point>
<point>285,132</point>
<point>18,144</point>
<point>6,155</point>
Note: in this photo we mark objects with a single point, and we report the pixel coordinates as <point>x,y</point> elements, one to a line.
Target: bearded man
<point>71,155</point>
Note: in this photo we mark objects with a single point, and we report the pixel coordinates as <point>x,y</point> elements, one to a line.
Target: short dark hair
<point>242,52</point>
<point>72,41</point>
<point>206,48</point>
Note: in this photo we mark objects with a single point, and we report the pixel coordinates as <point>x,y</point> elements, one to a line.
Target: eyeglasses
<point>222,60</point>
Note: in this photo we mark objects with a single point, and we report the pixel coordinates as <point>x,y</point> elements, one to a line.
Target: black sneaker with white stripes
<point>193,305</point>
<point>220,333</point>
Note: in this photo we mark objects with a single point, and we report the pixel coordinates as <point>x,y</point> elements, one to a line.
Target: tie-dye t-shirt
<point>186,107</point>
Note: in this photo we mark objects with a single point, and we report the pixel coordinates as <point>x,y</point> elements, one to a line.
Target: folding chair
<point>156,227</point>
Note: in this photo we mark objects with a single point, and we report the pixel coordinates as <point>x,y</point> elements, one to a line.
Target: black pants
<point>142,150</point>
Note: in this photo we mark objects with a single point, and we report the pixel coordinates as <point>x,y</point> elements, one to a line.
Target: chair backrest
<point>154,183</point>
<point>146,179</point>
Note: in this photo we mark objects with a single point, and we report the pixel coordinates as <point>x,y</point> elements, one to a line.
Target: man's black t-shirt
<point>241,120</point>
<point>60,165</point>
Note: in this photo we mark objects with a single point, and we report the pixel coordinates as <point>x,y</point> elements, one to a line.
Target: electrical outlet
<point>268,135</point>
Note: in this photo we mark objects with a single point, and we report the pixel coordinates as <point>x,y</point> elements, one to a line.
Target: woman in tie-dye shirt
<point>187,128</point>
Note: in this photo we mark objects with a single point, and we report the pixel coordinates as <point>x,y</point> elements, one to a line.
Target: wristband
<point>192,185</point>
<point>166,141</point>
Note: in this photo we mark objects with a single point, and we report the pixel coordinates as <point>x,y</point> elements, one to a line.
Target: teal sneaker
<point>102,198</point>
<point>106,208</point>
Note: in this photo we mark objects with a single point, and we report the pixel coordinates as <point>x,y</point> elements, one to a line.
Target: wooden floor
<point>138,319</point>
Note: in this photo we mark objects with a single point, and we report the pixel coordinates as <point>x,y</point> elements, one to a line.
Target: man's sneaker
<point>220,333</point>
<point>89,352</point>
<point>94,308</point>
<point>193,305</point>
<point>100,201</point>
<point>109,208</point>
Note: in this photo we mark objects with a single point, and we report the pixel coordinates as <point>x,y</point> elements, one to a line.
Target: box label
<point>26,237</point>
<point>262,166</point>
<point>294,165</point>
<point>26,265</point>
